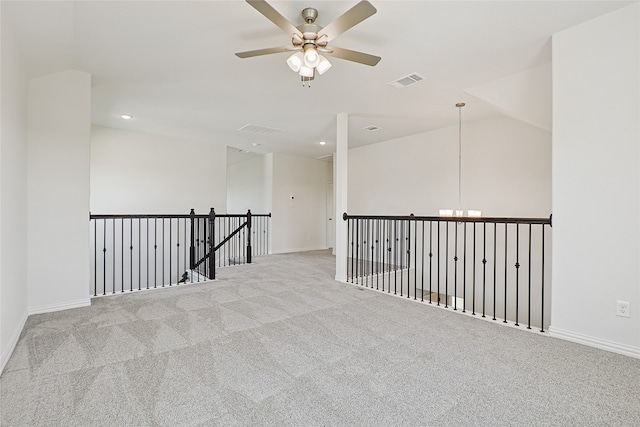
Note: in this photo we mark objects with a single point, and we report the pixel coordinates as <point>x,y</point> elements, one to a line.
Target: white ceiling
<point>171,64</point>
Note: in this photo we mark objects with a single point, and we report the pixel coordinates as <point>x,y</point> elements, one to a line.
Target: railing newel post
<point>249,236</point>
<point>212,264</point>
<point>192,247</point>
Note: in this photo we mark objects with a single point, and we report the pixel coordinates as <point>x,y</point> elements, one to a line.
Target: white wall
<point>596,181</point>
<point>298,224</point>
<point>58,190</point>
<point>506,172</point>
<point>140,173</point>
<point>247,186</point>
<point>13,195</point>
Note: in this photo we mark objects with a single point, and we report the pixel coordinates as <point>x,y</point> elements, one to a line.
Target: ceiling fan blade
<point>260,52</point>
<point>274,16</point>
<point>350,18</point>
<point>352,55</point>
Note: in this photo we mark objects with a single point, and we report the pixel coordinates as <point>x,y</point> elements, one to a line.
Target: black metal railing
<point>135,252</point>
<point>496,267</point>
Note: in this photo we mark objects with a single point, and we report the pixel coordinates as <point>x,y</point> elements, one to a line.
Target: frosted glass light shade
<point>295,61</point>
<point>446,212</point>
<point>306,71</point>
<point>323,65</point>
<point>311,57</point>
<point>474,213</point>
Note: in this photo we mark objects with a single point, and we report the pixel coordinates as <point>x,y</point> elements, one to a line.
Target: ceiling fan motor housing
<point>309,15</point>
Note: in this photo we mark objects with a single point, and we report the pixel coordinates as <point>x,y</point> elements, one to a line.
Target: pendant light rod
<point>459,105</point>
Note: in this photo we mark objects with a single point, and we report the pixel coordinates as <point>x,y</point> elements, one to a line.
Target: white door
<point>331,227</point>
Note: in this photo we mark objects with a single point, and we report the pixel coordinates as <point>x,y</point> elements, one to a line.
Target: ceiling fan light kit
<point>309,39</point>
<point>323,65</point>
<point>295,61</point>
<point>306,72</point>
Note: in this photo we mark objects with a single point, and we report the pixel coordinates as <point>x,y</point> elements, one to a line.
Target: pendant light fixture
<point>459,212</point>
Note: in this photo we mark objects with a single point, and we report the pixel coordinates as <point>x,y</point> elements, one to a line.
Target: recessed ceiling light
<point>255,144</point>
<point>322,142</point>
<point>126,116</point>
<point>372,128</point>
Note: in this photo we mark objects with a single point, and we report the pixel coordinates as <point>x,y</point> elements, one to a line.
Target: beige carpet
<point>279,342</point>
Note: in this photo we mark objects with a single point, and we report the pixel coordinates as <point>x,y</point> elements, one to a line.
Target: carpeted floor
<point>279,342</point>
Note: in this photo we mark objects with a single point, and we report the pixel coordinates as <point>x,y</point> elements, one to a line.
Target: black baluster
<point>147,252</point>
<point>438,266</point>
<point>464,268</point>
<point>430,259</point>
<point>446,267</point>
<point>197,258</point>
<point>495,266</point>
<point>517,269</point>
<point>139,252</point>
<point>473,298</point>
<point>422,274</point>
<point>371,241</point>
<point>389,251</point>
<point>401,255</point>
<point>484,267</point>
<point>529,291</point>
<point>155,253</point>
<point>177,251</point>
<point>505,273</point>
<point>122,254</point>
<point>104,257</point>
<point>365,265</point>
<point>249,236</point>
<point>408,257</point>
<point>395,257</point>
<point>377,253</point>
<point>357,277</point>
<point>455,268</point>
<point>384,245</point>
<point>350,238</point>
<point>415,260</point>
<point>130,256</point>
<point>95,258</point>
<point>542,286</point>
<point>113,285</point>
<point>163,251</point>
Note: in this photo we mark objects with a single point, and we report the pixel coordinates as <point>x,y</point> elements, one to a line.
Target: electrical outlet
<point>623,308</point>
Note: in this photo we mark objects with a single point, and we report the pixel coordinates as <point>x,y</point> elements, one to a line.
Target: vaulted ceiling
<point>171,65</point>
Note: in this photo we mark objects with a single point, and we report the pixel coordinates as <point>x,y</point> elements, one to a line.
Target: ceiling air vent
<point>372,128</point>
<point>261,130</point>
<point>405,81</point>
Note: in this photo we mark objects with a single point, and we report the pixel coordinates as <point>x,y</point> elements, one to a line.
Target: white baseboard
<point>61,306</point>
<point>624,349</point>
<point>301,249</point>
<point>8,351</point>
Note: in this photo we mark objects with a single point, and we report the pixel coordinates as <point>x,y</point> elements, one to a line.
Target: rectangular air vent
<point>258,129</point>
<point>405,81</point>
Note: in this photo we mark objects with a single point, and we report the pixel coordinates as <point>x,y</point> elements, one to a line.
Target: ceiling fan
<point>310,40</point>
